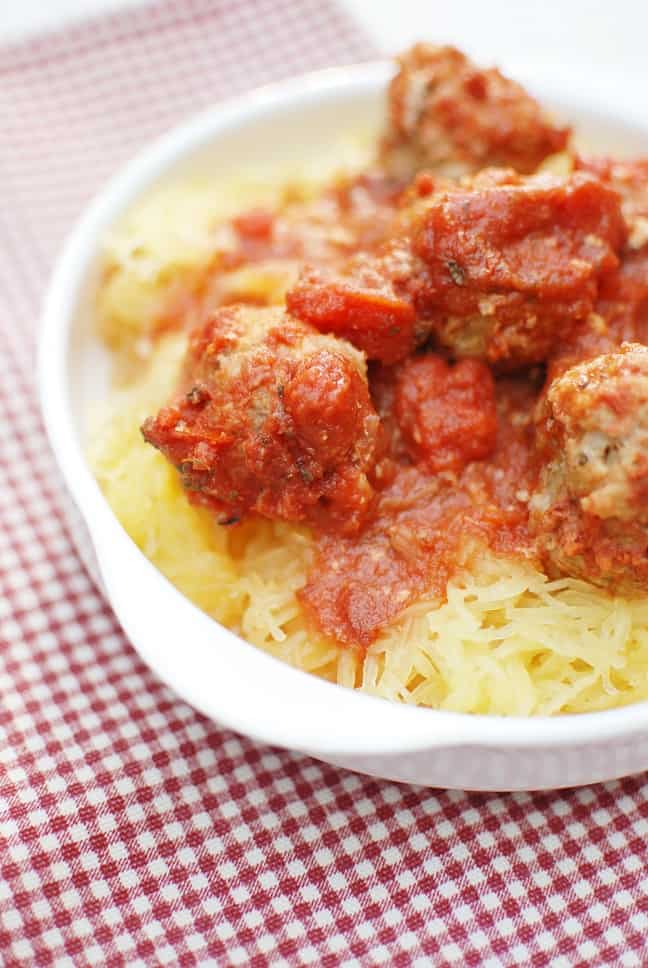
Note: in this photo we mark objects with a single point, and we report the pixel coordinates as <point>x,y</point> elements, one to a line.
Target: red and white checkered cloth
<point>134,831</point>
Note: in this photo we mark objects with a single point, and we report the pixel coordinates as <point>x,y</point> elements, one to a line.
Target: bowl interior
<point>293,123</point>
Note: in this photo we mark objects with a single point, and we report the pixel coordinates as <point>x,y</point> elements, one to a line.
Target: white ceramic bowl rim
<point>394,727</point>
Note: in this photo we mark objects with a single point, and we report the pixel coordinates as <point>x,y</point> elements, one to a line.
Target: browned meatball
<point>514,263</point>
<point>274,418</point>
<point>590,511</point>
<point>447,114</point>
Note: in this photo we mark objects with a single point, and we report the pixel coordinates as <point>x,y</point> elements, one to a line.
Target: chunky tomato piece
<point>446,414</point>
<point>373,318</point>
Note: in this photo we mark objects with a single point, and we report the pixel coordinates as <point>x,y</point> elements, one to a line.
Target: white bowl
<point>224,677</point>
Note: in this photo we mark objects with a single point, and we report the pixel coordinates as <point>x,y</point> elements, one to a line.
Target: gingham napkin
<point>134,831</point>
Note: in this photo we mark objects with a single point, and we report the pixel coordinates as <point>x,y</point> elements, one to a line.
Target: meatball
<point>273,418</point>
<point>513,263</point>
<point>447,114</point>
<point>590,510</point>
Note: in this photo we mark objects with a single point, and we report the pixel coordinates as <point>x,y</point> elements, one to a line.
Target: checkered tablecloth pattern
<point>134,831</point>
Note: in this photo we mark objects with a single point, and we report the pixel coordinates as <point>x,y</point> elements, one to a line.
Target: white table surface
<point>591,43</point>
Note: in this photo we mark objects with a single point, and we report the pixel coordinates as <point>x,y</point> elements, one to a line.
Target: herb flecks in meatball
<point>513,263</point>
<point>274,418</point>
<point>590,512</point>
<point>447,114</point>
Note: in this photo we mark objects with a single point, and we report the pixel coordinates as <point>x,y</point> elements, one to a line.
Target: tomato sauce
<point>427,523</point>
<point>456,458</point>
